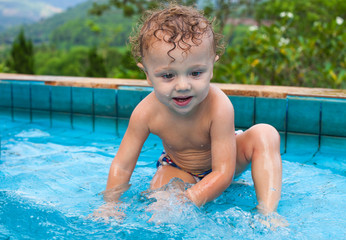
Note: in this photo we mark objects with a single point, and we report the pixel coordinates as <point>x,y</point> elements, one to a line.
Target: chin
<point>184,112</point>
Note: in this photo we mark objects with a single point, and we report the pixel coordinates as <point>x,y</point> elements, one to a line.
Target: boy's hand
<point>107,211</point>
<point>112,208</point>
<point>167,200</point>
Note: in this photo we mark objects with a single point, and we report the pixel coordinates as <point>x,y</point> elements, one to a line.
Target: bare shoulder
<point>143,113</point>
<point>220,103</point>
<point>145,108</point>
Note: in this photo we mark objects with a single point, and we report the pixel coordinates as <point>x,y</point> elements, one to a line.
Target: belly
<point>193,161</point>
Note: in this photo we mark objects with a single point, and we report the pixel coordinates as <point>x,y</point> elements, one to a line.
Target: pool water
<point>50,180</point>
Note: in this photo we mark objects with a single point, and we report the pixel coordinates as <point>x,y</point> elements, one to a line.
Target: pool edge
<point>228,88</point>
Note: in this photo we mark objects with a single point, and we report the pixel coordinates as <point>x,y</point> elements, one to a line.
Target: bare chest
<point>191,135</point>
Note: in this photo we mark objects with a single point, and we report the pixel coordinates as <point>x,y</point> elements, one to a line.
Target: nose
<point>183,84</point>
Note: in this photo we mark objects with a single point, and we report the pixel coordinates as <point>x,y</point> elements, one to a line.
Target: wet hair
<point>176,25</point>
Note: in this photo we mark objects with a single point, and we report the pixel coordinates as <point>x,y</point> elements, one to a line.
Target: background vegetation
<point>300,43</point>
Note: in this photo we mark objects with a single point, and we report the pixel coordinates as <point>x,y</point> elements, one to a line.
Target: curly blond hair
<point>176,25</point>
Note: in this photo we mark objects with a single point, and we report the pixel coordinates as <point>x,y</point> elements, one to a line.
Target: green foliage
<point>21,55</point>
<point>92,31</point>
<point>279,55</point>
<point>3,68</point>
<point>305,12</point>
<point>131,8</point>
<point>96,66</point>
<point>303,44</point>
<point>61,62</point>
<point>81,61</point>
<point>127,67</point>
<point>220,10</point>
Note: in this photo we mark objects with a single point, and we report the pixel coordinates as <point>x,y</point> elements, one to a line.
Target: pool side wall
<point>309,126</point>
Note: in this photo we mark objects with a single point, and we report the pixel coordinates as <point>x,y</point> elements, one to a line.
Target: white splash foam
<point>31,133</point>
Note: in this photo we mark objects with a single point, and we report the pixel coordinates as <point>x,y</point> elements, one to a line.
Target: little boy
<point>177,48</point>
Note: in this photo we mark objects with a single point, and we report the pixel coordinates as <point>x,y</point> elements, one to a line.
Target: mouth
<point>182,101</point>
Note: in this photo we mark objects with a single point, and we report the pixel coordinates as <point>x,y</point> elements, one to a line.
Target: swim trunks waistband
<point>166,160</point>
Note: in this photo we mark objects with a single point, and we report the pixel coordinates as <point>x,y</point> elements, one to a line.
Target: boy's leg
<point>260,146</point>
<point>165,173</point>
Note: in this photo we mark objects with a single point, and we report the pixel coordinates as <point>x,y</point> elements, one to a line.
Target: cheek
<point>162,90</point>
<point>160,94</point>
<point>204,89</point>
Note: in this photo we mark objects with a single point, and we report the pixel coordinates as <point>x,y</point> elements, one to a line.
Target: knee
<point>266,136</point>
<point>269,131</point>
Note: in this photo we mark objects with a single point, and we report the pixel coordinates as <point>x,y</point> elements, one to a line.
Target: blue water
<point>50,180</point>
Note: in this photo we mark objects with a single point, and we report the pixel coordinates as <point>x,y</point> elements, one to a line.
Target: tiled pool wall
<point>93,109</point>
<point>307,125</point>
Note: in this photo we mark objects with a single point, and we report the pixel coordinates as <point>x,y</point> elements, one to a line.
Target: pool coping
<point>228,88</point>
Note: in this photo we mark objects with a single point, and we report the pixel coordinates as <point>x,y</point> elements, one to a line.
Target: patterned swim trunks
<point>165,160</point>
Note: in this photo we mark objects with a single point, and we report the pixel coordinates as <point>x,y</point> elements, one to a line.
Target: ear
<point>141,66</point>
<point>215,60</point>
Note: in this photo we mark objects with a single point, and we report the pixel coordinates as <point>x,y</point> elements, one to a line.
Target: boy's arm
<point>223,149</point>
<point>126,158</point>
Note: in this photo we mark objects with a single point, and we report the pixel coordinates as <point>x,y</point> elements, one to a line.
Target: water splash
<point>169,203</point>
<point>32,133</point>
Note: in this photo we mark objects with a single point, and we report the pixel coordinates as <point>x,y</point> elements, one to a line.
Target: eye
<point>196,73</point>
<point>168,76</point>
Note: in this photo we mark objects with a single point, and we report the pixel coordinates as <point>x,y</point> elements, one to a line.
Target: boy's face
<point>183,84</point>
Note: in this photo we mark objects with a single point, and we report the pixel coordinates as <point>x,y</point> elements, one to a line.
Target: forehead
<point>159,46</point>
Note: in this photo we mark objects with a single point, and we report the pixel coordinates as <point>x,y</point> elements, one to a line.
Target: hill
<point>17,12</point>
<point>63,4</point>
<point>75,27</point>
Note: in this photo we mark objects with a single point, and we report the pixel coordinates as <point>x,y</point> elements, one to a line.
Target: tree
<point>221,10</point>
<point>291,51</point>
<point>96,66</point>
<point>22,55</point>
<point>300,43</point>
<point>306,13</point>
